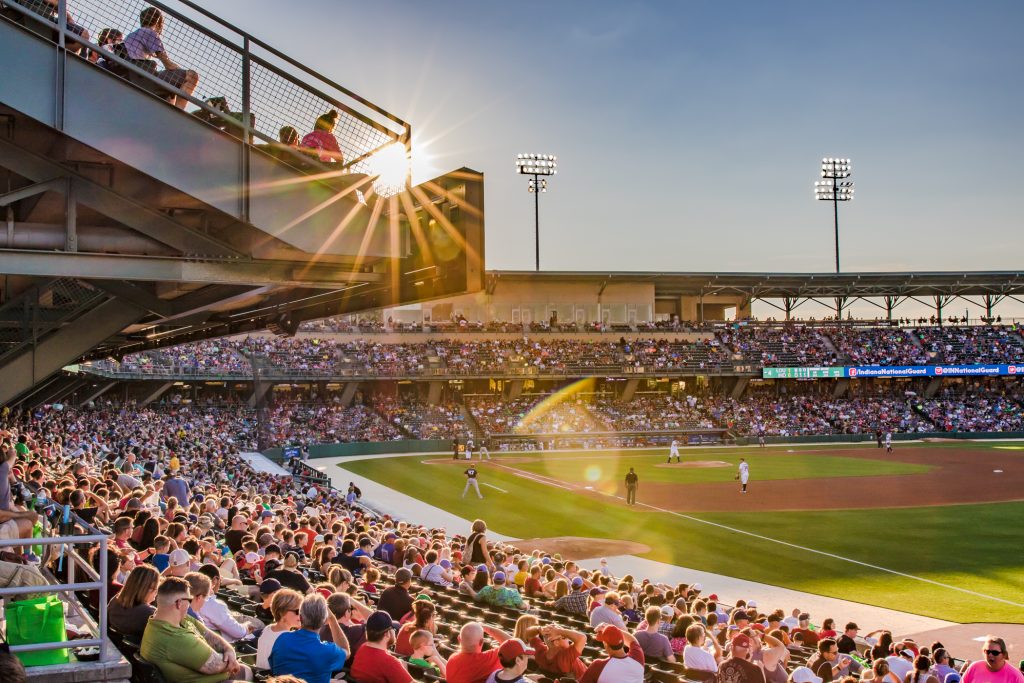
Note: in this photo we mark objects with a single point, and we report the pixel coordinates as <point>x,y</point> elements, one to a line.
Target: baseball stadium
<point>268,411</point>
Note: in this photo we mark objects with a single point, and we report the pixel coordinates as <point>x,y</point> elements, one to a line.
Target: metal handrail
<point>98,582</point>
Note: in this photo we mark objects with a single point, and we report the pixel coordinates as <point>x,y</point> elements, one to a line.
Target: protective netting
<point>292,98</point>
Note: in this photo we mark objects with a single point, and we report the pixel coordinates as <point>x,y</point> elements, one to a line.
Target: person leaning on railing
<point>144,46</point>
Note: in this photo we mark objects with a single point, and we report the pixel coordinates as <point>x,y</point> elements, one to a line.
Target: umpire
<point>631,483</point>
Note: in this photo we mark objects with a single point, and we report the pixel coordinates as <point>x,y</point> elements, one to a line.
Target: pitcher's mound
<point>696,463</point>
<point>578,548</point>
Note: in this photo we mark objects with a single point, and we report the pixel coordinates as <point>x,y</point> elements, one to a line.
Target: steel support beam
<point>99,391</point>
<point>148,221</point>
<point>164,269</point>
<point>28,367</point>
<point>156,393</point>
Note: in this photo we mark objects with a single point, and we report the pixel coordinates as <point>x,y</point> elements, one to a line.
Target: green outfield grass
<point>973,547</point>
<point>765,464</point>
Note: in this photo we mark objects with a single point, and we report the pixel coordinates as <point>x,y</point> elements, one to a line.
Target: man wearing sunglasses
<point>994,667</point>
<point>182,648</point>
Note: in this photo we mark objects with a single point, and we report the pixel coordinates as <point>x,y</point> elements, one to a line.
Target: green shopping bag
<point>40,620</point>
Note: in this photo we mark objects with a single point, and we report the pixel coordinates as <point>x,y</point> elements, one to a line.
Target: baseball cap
<point>667,611</point>
<point>446,564</point>
<point>907,652</point>
<point>804,616</point>
<point>610,635</point>
<point>952,677</point>
<point>178,557</point>
<point>270,586</point>
<point>803,674</point>
<point>697,587</point>
<point>751,603</point>
<point>713,597</point>
<point>742,640</point>
<point>513,648</point>
<point>403,575</point>
<point>852,627</point>
<point>379,621</point>
<point>742,614</point>
<point>577,582</point>
<point>499,577</point>
<point>391,534</point>
<point>482,568</point>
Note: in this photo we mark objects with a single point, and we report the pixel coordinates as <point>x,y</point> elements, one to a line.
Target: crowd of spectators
<point>878,346</point>
<point>984,344</point>
<point>344,353</point>
<point>213,565</point>
<point>422,420</point>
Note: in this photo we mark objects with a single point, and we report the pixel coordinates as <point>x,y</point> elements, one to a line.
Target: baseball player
<point>673,451</point>
<point>484,453</point>
<point>743,474</point>
<point>888,442</point>
<point>471,481</point>
<point>469,449</point>
<point>760,437</point>
<point>632,480</point>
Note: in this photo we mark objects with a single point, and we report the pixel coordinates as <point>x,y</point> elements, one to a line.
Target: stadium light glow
<point>834,188</point>
<point>537,165</point>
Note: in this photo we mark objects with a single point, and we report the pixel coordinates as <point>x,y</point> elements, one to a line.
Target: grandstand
<point>217,273</point>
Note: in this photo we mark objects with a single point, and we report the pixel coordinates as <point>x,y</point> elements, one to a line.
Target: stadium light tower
<point>537,165</point>
<point>834,188</point>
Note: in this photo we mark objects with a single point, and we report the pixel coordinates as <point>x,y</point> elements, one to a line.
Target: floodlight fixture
<point>540,166</point>
<point>834,188</point>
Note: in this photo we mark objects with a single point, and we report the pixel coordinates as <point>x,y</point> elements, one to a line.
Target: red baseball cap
<point>742,640</point>
<point>513,648</point>
<point>610,635</point>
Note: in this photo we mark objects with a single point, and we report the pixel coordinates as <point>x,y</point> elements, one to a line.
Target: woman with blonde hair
<point>129,610</point>
<point>527,628</point>
<point>285,608</point>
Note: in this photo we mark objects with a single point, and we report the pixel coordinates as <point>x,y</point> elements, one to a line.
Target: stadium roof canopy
<point>793,288</point>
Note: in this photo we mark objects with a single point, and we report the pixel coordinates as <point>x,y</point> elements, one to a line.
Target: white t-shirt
<point>264,645</point>
<point>899,666</point>
<point>699,658</point>
<point>622,670</point>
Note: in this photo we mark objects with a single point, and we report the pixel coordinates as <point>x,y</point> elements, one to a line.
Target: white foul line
<point>833,556</point>
<point>495,487</point>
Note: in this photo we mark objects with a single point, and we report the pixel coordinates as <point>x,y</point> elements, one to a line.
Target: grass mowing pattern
<point>976,547</point>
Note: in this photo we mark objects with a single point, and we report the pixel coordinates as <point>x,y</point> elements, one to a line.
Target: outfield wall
<point>859,438</point>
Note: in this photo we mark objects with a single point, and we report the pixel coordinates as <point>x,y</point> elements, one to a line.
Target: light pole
<point>834,188</point>
<point>537,165</point>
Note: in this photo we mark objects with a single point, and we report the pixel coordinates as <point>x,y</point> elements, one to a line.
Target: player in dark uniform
<point>631,483</point>
<point>471,481</point>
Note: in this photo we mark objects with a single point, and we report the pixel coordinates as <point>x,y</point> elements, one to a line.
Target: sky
<point>689,134</point>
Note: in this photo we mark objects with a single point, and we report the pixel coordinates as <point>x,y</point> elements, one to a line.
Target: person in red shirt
<point>809,637</point>
<point>558,651</point>
<point>471,664</point>
<point>620,666</point>
<point>373,662</point>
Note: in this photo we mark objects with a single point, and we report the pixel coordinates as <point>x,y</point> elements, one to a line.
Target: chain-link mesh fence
<point>279,94</point>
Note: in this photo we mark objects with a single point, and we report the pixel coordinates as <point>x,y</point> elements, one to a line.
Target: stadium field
<point>933,529</point>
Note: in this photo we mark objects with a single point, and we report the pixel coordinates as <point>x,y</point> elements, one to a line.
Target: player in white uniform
<point>743,475</point>
<point>469,449</point>
<point>673,451</point>
<point>888,442</point>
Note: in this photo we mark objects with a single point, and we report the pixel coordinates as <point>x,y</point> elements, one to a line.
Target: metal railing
<point>265,89</point>
<point>97,581</point>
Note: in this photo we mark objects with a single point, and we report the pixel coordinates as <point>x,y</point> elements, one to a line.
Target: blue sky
<point>689,134</point>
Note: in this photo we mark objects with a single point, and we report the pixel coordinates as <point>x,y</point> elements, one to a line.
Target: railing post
<point>103,599</point>
<point>62,26</point>
<point>246,129</point>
